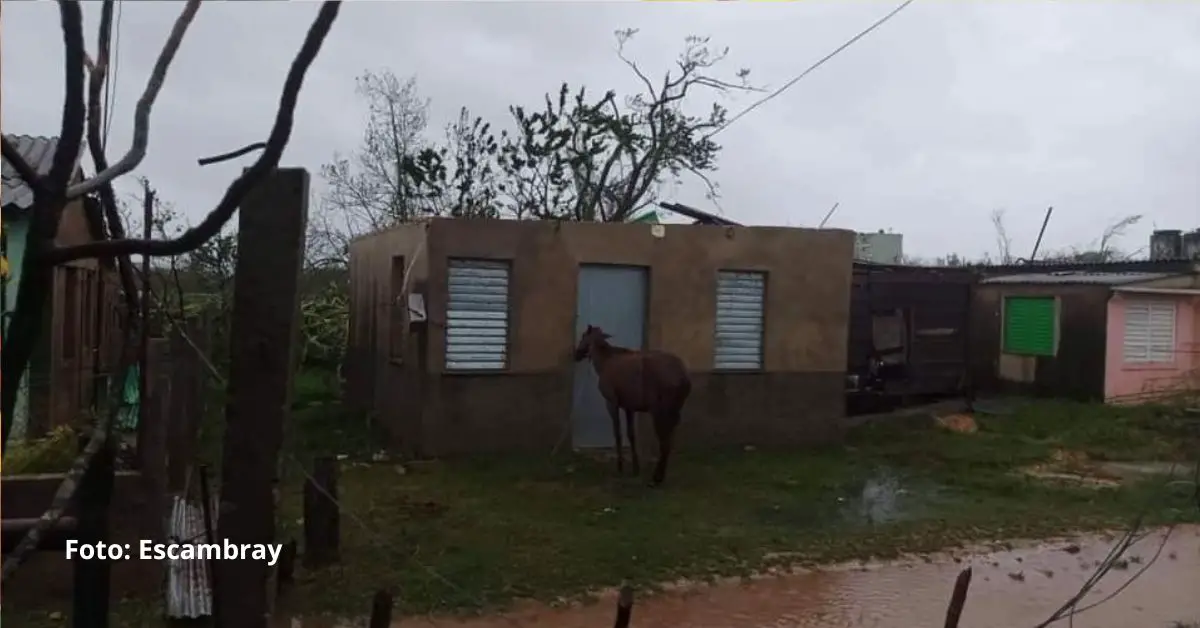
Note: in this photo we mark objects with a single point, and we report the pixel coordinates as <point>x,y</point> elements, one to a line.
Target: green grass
<point>52,453</point>
<point>475,534</point>
<point>472,535</point>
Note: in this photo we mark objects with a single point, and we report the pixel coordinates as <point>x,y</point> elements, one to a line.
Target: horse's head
<point>591,337</point>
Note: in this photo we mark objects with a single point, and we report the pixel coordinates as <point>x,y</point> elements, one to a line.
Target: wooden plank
<point>93,578</point>
<point>322,517</point>
<point>263,335</point>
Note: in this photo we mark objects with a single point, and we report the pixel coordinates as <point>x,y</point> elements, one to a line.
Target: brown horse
<point>638,381</point>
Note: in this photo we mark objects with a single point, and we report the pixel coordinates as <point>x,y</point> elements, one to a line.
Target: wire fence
<point>1136,532</point>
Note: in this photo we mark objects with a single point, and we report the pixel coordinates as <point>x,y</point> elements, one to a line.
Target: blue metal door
<point>614,299</point>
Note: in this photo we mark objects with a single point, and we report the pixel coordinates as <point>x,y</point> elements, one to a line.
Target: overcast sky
<point>940,116</point>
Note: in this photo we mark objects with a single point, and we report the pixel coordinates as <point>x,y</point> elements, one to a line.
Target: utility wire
<point>812,67</point>
<point>110,88</point>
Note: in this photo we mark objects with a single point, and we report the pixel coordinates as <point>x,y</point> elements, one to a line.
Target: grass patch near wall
<point>52,453</point>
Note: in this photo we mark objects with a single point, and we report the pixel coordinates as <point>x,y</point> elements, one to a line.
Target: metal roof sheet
<point>1077,277</point>
<point>38,151</point>
<point>189,593</point>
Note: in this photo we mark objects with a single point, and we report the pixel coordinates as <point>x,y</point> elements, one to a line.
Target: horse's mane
<point>611,348</point>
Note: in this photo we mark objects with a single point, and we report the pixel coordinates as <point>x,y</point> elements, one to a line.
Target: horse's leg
<point>614,413</point>
<point>664,428</point>
<point>631,430</point>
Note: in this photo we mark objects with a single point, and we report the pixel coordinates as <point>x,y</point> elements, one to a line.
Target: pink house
<point>1153,339</point>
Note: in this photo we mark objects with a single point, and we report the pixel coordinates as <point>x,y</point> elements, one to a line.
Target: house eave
<point>1195,292</point>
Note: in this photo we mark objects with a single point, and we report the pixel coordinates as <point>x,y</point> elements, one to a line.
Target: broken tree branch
<point>216,159</point>
<point>101,432</point>
<point>216,219</point>
<point>141,113</point>
<point>62,499</point>
<point>108,199</point>
<point>14,158</point>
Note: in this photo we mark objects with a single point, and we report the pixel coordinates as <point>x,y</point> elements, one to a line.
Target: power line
<point>110,89</point>
<point>812,67</point>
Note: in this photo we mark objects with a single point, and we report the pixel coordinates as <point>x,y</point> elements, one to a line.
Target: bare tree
<point>1114,232</point>
<point>370,189</point>
<point>1104,248</point>
<point>1003,240</point>
<point>53,190</point>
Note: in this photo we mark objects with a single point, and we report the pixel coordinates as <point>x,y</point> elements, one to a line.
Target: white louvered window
<point>1149,332</point>
<point>477,315</point>
<point>739,323</point>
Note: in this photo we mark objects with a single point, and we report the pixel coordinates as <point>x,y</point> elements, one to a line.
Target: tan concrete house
<point>462,331</point>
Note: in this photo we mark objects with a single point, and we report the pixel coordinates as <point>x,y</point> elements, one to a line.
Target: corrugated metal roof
<point>1076,277</point>
<point>1119,266</point>
<point>38,151</point>
<point>189,593</point>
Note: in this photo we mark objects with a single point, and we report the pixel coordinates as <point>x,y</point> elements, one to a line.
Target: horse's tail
<point>681,390</point>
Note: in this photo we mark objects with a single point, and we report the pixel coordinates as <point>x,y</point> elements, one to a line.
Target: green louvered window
<point>1029,325</point>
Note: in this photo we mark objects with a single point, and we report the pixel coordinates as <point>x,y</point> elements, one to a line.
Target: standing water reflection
<point>1012,588</point>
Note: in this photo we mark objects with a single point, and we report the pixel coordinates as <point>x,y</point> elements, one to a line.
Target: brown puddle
<point>1018,587</point>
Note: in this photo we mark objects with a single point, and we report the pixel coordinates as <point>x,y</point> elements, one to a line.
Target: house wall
<point>15,232</point>
<point>1077,370</point>
<point>795,399</point>
<point>377,379</point>
<point>1130,383</point>
<point>59,383</point>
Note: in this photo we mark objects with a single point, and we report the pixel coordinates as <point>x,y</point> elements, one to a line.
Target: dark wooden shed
<point>908,332</point>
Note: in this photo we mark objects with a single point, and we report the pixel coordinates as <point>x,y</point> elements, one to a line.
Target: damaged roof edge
<point>701,217</point>
<point>38,151</point>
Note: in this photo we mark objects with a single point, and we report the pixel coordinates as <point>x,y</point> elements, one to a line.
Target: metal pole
<point>828,215</point>
<point>1042,232</point>
<point>144,349</point>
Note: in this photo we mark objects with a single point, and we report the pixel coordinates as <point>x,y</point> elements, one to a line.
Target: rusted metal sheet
<point>189,592</point>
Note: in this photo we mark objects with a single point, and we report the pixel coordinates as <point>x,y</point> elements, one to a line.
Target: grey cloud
<point>925,126</point>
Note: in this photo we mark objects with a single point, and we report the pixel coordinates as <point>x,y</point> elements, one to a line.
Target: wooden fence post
<point>624,607</point>
<point>153,439</point>
<point>381,610</point>
<point>92,578</point>
<point>181,443</point>
<point>322,515</point>
<point>287,566</point>
<point>263,335</point>
<point>958,599</point>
